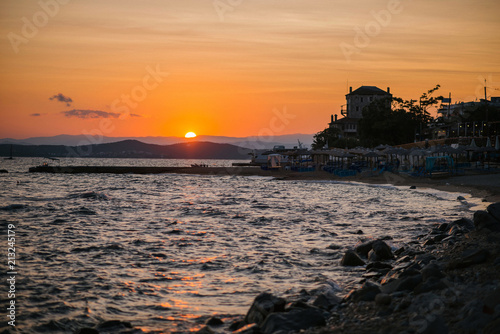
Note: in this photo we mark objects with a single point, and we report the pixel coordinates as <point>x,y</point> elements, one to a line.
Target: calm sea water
<point>165,251</point>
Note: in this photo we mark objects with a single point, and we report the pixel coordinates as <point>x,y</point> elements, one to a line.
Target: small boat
<point>11,149</point>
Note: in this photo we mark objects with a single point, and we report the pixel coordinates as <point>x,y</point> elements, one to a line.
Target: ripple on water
<point>164,251</point>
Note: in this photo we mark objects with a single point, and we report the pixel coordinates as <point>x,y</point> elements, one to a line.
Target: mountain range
<point>131,149</point>
<point>253,142</point>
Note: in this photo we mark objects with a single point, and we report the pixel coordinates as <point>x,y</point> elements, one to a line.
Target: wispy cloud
<point>86,114</point>
<point>61,98</point>
<point>135,115</point>
<point>36,115</point>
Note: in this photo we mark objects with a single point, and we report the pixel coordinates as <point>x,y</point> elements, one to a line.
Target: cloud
<point>36,115</point>
<point>86,114</point>
<point>135,115</point>
<point>61,98</point>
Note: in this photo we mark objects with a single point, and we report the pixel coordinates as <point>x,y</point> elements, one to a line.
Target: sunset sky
<point>230,67</point>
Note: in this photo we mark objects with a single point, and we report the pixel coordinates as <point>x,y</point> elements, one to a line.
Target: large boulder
<point>382,250</point>
<point>295,320</point>
<point>351,258</point>
<point>494,210</point>
<point>366,293</point>
<point>364,248</point>
<point>484,220</point>
<point>263,305</point>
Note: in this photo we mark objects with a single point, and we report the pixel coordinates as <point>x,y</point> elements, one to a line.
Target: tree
<point>396,121</point>
<point>325,138</point>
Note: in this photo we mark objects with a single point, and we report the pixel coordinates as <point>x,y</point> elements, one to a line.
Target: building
<point>355,102</point>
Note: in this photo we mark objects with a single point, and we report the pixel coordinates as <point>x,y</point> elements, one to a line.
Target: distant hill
<point>131,149</point>
<point>253,142</point>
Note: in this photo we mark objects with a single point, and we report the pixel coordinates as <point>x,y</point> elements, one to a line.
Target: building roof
<point>346,120</point>
<point>368,90</point>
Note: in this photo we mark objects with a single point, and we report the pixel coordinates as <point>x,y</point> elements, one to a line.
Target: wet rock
<point>413,187</point>
<point>359,232</point>
<point>364,248</point>
<point>351,258</point>
<point>205,330</point>
<point>294,320</point>
<point>470,258</point>
<point>377,265</point>
<point>326,301</point>
<point>263,305</point>
<point>443,227</point>
<point>460,198</point>
<point>494,210</point>
<point>464,223</point>
<point>248,329</point>
<point>402,284</point>
<point>114,324</point>
<point>214,321</point>
<point>367,293</point>
<point>4,171</point>
<point>483,220</point>
<point>87,330</point>
<point>383,299</point>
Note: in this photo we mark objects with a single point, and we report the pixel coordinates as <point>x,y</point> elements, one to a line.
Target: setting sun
<point>190,135</point>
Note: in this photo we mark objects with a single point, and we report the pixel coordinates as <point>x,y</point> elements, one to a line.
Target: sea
<point>165,252</point>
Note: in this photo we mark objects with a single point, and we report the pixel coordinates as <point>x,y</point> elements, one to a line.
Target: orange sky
<point>230,68</point>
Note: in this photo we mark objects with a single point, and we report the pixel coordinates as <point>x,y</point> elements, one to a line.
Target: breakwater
<point>105,169</point>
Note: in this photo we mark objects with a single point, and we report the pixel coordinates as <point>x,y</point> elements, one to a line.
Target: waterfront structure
<point>355,102</point>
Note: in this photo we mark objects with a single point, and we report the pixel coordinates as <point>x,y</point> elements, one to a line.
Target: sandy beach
<point>480,185</point>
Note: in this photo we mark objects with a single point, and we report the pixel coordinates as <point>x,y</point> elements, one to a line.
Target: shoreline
<point>484,186</point>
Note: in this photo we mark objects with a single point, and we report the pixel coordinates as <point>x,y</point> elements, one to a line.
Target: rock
<point>464,223</point>
<point>483,220</point>
<point>248,329</point>
<point>372,256</point>
<point>382,250</point>
<point>367,293</point>
<point>413,187</point>
<point>470,258</point>
<point>443,227</point>
<point>435,325</point>
<point>263,305</point>
<point>359,232</point>
<point>214,321</point>
<point>494,210</point>
<point>431,270</point>
<point>364,248</point>
<point>295,320</point>
<point>3,171</point>
<point>377,265</point>
<point>383,299</point>
<point>402,284</point>
<point>115,324</point>
<point>351,258</point>
<point>205,330</point>
<point>326,301</point>
<point>492,327</point>
<point>460,198</point>
<point>87,330</point>
<point>430,284</point>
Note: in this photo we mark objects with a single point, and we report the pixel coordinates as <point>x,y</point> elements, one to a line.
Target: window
<point>361,99</point>
<point>357,108</point>
<point>371,98</point>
